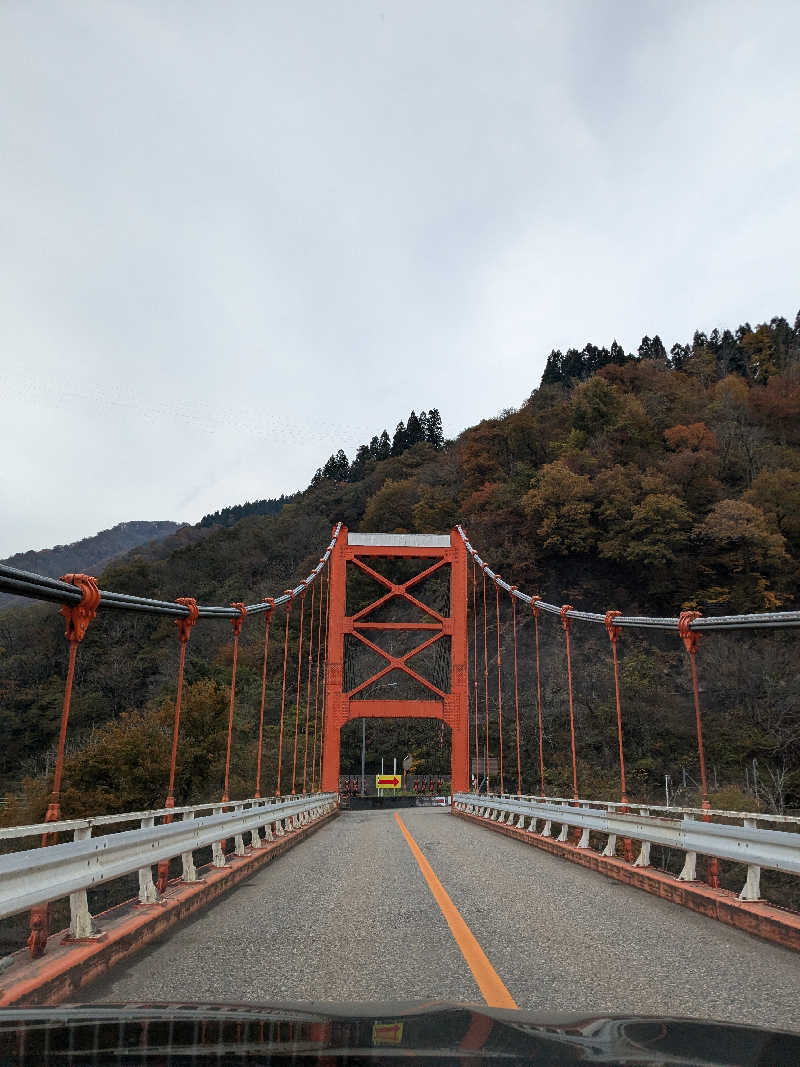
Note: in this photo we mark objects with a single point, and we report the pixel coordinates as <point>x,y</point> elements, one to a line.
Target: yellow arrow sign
<point>387,1033</point>
<point>388,781</point>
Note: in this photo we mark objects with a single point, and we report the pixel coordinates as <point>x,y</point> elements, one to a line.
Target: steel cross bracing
<point>748,843</point>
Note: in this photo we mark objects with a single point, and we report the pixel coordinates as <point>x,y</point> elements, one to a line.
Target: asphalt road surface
<point>349,915</point>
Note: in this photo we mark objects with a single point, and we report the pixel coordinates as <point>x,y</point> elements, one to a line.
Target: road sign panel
<point>387,1033</point>
<point>388,781</point>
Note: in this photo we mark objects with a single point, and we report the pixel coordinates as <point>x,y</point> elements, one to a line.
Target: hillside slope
<point>650,484</point>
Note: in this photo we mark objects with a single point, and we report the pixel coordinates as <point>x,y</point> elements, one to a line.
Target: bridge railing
<point>693,831</point>
<point>81,599</point>
<point>689,626</point>
<point>33,877</point>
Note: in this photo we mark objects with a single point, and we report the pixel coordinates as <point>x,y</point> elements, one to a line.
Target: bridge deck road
<point>348,915</point>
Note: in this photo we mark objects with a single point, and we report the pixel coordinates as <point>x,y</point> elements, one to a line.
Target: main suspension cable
<point>762,620</point>
<point>40,587</point>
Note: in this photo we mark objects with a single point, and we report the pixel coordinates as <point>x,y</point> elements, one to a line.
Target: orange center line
<point>489,981</point>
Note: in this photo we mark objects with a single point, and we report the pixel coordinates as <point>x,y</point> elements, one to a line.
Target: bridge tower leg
<point>335,702</point>
<point>457,703</point>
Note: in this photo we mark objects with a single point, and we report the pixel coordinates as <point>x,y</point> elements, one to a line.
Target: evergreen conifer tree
<point>572,365</point>
<point>552,372</point>
<point>342,466</point>
<point>435,434</point>
<point>400,440</point>
<point>617,353</point>
<point>337,468</point>
<point>679,354</point>
<point>360,464</point>
<point>413,430</point>
<point>699,340</point>
<point>652,348</point>
<point>329,470</point>
<point>384,446</point>
<point>730,358</point>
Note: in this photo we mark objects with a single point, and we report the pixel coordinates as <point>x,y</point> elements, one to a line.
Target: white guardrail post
<point>148,894</point>
<point>256,841</point>
<point>218,847</point>
<point>643,859</point>
<point>682,829</point>
<point>189,873</point>
<point>81,926</point>
<point>752,887</point>
<point>611,843</point>
<point>689,870</point>
<point>583,842</point>
<point>238,839</point>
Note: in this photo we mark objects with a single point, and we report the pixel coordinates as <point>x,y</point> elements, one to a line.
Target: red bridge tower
<point>429,667</point>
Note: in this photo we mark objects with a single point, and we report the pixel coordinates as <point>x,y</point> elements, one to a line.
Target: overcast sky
<point>235,237</point>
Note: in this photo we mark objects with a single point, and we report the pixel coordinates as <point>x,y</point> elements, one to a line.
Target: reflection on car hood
<point>196,1033</point>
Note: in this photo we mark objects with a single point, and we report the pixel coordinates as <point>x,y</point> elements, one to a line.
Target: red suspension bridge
<point>417,617</point>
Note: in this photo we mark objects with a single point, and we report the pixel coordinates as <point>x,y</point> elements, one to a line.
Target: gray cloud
<point>234,238</point>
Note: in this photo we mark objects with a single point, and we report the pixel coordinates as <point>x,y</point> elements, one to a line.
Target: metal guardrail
<point>41,875</point>
<point>634,806</point>
<point>749,843</point>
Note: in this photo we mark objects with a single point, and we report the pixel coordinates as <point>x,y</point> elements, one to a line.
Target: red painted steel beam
<point>397,709</point>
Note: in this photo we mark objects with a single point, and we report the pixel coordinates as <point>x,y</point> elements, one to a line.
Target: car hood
<point>333,1033</point>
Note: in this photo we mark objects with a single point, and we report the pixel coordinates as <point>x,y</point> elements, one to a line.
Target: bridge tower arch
<point>423,633</point>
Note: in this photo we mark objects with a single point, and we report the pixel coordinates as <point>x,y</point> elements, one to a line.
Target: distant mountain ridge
<point>91,554</point>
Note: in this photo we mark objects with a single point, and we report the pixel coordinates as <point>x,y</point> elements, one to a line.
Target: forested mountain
<point>90,554</point>
<point>647,482</point>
